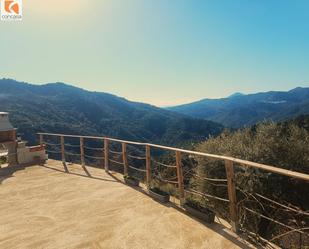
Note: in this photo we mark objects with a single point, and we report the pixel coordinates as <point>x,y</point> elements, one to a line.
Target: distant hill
<point>235,95</point>
<point>62,108</point>
<point>240,110</point>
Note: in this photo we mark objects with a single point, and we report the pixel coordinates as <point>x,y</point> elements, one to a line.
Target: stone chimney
<point>8,137</point>
<point>5,124</point>
<point>7,131</point>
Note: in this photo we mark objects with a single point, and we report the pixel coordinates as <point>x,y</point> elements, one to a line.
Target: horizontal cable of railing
<point>93,148</point>
<point>115,152</point>
<point>141,170</point>
<point>163,164</point>
<point>93,157</point>
<point>53,151</point>
<point>114,161</point>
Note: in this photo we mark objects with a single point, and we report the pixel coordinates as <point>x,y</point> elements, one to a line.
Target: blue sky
<point>163,52</point>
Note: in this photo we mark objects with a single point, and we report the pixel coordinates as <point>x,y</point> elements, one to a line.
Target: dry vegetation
<point>285,145</point>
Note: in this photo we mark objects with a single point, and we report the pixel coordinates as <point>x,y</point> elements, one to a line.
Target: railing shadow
<point>224,231</point>
<point>216,227</point>
<point>67,171</point>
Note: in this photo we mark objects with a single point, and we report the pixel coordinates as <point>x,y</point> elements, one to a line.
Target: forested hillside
<point>66,109</point>
<point>241,110</point>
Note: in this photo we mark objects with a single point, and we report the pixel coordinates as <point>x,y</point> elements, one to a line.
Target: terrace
<point>71,206</point>
<point>80,199</point>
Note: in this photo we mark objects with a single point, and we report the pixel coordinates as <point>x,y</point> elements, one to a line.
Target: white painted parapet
<point>28,155</point>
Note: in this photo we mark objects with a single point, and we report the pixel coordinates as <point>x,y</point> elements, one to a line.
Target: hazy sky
<point>162,52</point>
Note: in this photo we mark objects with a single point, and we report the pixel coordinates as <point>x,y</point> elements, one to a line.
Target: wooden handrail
<point>180,177</point>
<point>41,139</point>
<point>82,151</point>
<point>148,166</point>
<point>229,168</point>
<point>124,158</point>
<point>268,168</point>
<point>106,154</point>
<point>62,149</point>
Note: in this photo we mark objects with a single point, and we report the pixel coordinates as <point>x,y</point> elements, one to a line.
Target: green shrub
<point>284,145</point>
<point>3,160</point>
<point>130,177</point>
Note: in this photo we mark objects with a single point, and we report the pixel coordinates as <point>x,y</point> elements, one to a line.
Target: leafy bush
<point>3,160</point>
<point>285,145</point>
<point>130,177</point>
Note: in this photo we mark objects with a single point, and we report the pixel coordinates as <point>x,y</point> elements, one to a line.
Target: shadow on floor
<point>8,172</point>
<point>87,173</point>
<point>216,227</point>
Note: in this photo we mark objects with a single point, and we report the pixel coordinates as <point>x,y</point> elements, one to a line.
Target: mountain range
<point>61,108</point>
<point>239,110</point>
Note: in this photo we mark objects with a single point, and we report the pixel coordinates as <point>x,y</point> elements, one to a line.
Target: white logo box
<point>11,10</point>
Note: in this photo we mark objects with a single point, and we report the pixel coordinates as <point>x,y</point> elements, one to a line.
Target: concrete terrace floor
<point>53,206</point>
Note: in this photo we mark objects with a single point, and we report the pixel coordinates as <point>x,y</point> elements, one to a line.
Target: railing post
<point>103,155</point>
<point>229,167</point>
<point>106,153</point>
<point>82,151</point>
<point>180,177</point>
<point>148,166</point>
<point>41,139</point>
<point>124,159</point>
<point>62,149</point>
